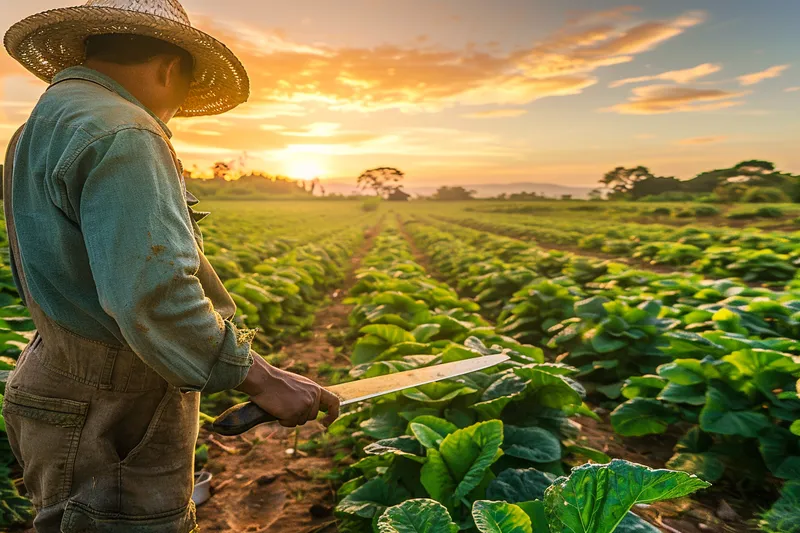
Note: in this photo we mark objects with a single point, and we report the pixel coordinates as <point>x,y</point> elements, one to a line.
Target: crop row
<point>753,256</point>
<point>481,450</point>
<point>715,354</point>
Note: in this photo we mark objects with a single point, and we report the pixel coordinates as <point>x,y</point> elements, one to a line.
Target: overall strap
<point>11,230</point>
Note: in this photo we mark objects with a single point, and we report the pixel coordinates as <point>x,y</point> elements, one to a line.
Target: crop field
<point>652,383</point>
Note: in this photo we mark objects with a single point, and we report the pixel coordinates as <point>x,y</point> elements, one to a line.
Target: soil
<point>261,482</point>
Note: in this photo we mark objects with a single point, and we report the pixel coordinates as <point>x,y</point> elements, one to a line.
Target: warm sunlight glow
<point>304,169</point>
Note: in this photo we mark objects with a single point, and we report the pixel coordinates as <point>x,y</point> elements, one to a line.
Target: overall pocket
<point>44,434</point>
<point>158,474</point>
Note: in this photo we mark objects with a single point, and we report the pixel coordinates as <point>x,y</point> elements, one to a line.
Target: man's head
<point>157,73</point>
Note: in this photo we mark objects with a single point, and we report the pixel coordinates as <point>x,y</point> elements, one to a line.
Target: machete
<point>245,416</point>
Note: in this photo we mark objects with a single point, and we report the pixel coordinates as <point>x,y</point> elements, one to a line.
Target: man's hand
<point>292,399</point>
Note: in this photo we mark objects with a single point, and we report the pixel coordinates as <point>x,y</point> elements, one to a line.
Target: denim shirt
<point>106,240</point>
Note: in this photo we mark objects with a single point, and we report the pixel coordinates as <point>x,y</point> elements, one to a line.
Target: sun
<point>304,169</point>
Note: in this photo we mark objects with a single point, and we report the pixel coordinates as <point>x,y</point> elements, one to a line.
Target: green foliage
<point>765,195</point>
<point>596,498</point>
<point>417,516</point>
<point>784,517</point>
<point>592,499</point>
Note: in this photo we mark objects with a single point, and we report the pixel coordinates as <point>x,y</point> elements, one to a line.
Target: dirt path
<point>261,483</point>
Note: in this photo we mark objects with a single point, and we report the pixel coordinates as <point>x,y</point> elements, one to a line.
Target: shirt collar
<point>85,73</point>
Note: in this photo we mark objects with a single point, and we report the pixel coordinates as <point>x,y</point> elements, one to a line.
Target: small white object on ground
<point>202,487</point>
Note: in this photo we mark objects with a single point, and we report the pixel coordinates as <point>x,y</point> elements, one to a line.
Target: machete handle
<point>240,418</point>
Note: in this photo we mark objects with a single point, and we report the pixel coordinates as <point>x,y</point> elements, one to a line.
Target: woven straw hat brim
<point>53,40</point>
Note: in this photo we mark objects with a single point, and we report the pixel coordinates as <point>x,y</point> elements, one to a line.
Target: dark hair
<point>131,49</point>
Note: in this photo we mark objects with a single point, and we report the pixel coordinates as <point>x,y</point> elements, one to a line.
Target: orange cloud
<point>497,113</point>
<point>758,77</point>
<point>657,99</point>
<point>678,76</point>
<point>425,78</point>
<point>712,139</point>
<point>792,89</point>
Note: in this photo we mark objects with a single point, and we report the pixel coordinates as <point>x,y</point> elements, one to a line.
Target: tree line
<point>754,181</point>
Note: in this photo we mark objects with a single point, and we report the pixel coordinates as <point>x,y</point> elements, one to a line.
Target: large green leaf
<point>462,460</point>
<point>642,416</point>
<point>683,372</point>
<point>780,449</point>
<point>596,498</point>
<point>437,393</point>
<point>367,349</point>
<point>417,516</point>
<point>372,498</point>
<point>389,333</point>
<point>403,446</point>
<point>726,413</point>
<point>500,517</point>
<point>548,390</point>
<point>517,486</point>
<point>424,332</point>
<point>431,430</point>
<point>688,394</point>
<point>643,386</point>
<point>532,443</point>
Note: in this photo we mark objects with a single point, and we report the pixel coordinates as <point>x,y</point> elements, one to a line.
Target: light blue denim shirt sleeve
<point>144,258</point>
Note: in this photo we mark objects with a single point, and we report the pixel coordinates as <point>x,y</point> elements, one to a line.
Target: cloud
<point>658,99</point>
<point>579,49</point>
<point>423,77</point>
<point>792,89</point>
<point>677,76</point>
<point>497,113</point>
<point>711,139</point>
<point>758,77</point>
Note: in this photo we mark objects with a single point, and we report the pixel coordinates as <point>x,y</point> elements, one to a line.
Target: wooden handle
<point>241,418</point>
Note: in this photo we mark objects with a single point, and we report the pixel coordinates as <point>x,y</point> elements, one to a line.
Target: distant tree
<point>621,180</point>
<point>595,194</point>
<point>383,180</point>
<point>317,183</point>
<point>566,197</point>
<point>755,166</point>
<point>454,193</point>
<point>221,170</point>
<point>654,185</point>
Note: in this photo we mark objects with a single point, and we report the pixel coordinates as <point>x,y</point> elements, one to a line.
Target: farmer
<point>132,321</point>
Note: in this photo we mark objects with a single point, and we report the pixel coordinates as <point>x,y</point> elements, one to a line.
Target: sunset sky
<point>480,91</point>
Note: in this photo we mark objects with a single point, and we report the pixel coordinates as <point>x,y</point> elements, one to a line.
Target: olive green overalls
<point>106,444</point>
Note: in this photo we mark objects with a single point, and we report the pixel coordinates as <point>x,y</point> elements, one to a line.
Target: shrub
<point>686,213</point>
<point>765,195</point>
<point>742,215</point>
<point>706,211</point>
<point>370,204</point>
<point>659,211</point>
<point>769,212</point>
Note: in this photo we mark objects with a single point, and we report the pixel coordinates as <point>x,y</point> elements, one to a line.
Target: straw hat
<point>53,40</point>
